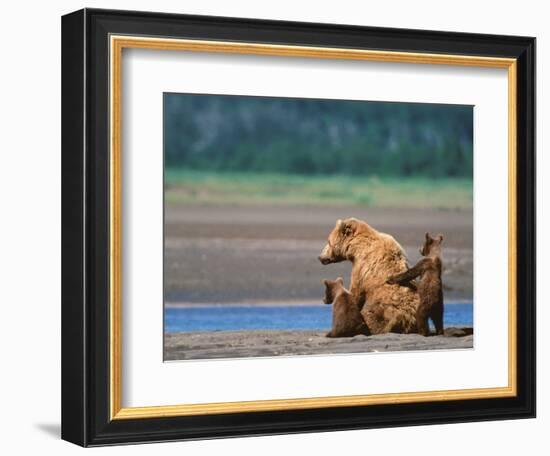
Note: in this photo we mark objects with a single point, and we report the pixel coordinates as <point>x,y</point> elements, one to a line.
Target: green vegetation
<point>281,151</point>
<point>317,137</point>
<point>211,188</point>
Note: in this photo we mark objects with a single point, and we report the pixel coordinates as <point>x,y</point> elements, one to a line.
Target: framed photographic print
<point>278,227</point>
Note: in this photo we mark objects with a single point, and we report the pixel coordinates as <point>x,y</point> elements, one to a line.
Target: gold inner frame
<point>117,44</point>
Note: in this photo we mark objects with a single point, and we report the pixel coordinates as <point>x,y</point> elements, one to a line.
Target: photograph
<point>346,206</point>
<point>296,226</point>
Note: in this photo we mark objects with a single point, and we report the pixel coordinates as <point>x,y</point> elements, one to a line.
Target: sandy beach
<point>246,344</point>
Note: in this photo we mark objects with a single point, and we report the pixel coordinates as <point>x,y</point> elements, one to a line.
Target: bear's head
<point>432,245</point>
<point>338,243</point>
<point>332,287</point>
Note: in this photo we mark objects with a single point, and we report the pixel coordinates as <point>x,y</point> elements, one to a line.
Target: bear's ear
<point>440,237</point>
<point>325,281</point>
<point>427,236</point>
<point>347,227</point>
<point>340,280</point>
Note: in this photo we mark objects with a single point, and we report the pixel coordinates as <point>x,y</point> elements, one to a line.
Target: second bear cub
<point>430,287</point>
<point>346,317</point>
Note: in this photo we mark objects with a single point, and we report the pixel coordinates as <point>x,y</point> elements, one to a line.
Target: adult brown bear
<point>375,256</point>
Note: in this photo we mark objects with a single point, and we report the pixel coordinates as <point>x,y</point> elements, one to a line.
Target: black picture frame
<point>85,228</point>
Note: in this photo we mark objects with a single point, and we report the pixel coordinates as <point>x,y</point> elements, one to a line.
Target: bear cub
<point>346,317</point>
<point>430,287</point>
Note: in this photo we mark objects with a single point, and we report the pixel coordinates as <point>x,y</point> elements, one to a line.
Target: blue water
<point>233,318</point>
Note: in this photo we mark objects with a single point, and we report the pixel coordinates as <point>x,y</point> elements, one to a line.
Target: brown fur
<point>430,288</point>
<point>346,317</point>
<point>374,256</point>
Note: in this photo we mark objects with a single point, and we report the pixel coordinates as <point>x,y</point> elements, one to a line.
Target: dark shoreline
<point>270,343</point>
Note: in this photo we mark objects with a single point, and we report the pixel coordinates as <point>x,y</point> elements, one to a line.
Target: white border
<point>148,381</point>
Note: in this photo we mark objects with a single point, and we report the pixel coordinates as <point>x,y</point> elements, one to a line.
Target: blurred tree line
<point>305,136</point>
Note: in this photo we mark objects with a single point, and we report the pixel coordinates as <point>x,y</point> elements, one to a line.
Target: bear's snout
<point>323,259</point>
